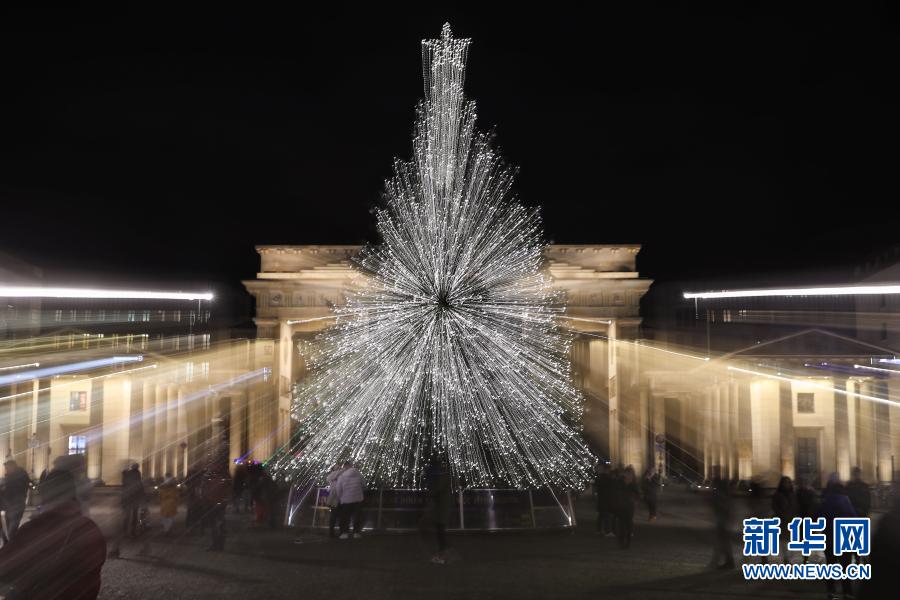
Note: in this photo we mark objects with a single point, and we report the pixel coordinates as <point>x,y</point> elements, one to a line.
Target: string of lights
<point>448,346</point>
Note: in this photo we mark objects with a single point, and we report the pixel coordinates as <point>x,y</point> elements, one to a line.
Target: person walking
<point>14,494</point>
<point>350,488</point>
<point>437,507</point>
<point>835,504</point>
<point>333,500</point>
<point>59,553</point>
<point>168,503</point>
<point>627,494</point>
<point>604,489</point>
<point>859,493</point>
<point>132,496</point>
<point>650,489</point>
<point>216,494</point>
<point>784,506</point>
<point>720,501</point>
<point>239,484</point>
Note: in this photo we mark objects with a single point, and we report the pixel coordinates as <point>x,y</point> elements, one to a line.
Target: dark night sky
<point>164,146</point>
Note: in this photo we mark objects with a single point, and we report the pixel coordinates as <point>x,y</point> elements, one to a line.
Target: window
<point>176,315</point>
<point>77,444</point>
<point>145,316</point>
<point>87,315</point>
<point>77,400</point>
<point>73,315</point>
<point>58,316</point>
<point>205,341</point>
<point>806,403</point>
<point>101,315</point>
<point>131,316</point>
<point>192,317</point>
<point>162,316</point>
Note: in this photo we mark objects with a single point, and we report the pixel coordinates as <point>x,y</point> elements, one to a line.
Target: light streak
<point>449,346</point>
<point>868,368</point>
<point>828,388</point>
<point>30,291</point>
<point>68,368</point>
<point>844,290</point>
<point>25,366</point>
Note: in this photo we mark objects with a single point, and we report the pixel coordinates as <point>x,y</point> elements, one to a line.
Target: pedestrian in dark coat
<point>859,493</point>
<point>627,494</point>
<point>784,506</point>
<point>835,503</point>
<point>132,496</point>
<point>720,500</point>
<point>14,494</point>
<point>58,554</point>
<point>604,491</point>
<point>650,489</point>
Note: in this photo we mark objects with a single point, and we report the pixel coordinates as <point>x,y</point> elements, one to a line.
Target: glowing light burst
<point>448,344</point>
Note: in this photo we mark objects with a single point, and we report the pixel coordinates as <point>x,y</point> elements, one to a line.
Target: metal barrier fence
<point>471,510</point>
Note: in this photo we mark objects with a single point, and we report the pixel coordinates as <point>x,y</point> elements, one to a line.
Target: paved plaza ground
<point>667,560</point>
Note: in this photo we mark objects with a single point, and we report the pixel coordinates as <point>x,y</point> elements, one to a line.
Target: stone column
<point>148,427</point>
<point>6,421</point>
<point>658,428</point>
<point>95,433</point>
<point>615,455</point>
<point>883,464</point>
<point>841,428</point>
<point>171,428</point>
<point>42,426</point>
<point>181,432</point>
<point>135,422</point>
<point>745,432</point>
<point>786,423</point>
<point>162,419</point>
<point>865,434</point>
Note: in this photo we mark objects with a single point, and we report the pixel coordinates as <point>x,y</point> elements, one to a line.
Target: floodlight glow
<point>868,368</point>
<point>35,364</point>
<point>829,388</point>
<point>69,368</point>
<point>28,291</point>
<point>844,290</point>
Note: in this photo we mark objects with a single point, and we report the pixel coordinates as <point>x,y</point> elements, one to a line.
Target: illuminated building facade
<point>166,412</point>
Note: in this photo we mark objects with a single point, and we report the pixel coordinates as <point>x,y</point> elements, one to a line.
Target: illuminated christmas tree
<point>449,343</point>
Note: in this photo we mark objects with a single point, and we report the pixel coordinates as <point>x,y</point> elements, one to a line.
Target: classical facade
<point>167,412</point>
<point>297,288</point>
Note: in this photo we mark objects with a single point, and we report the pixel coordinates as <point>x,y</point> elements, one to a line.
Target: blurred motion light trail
<point>844,290</point>
<point>18,291</point>
<point>69,368</point>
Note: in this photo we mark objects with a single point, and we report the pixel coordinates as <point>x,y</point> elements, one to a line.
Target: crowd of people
<point>59,551</point>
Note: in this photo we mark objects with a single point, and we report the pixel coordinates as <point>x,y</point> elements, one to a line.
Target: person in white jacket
<point>333,499</point>
<point>349,488</point>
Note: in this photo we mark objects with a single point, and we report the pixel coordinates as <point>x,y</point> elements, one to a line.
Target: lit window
<point>176,315</point>
<point>73,315</point>
<point>145,316</point>
<point>806,403</point>
<point>206,317</point>
<point>192,317</point>
<point>206,341</point>
<point>101,315</point>
<point>78,401</point>
<point>77,444</point>
<point>58,315</point>
<point>162,316</point>
<point>191,342</point>
<point>131,316</point>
